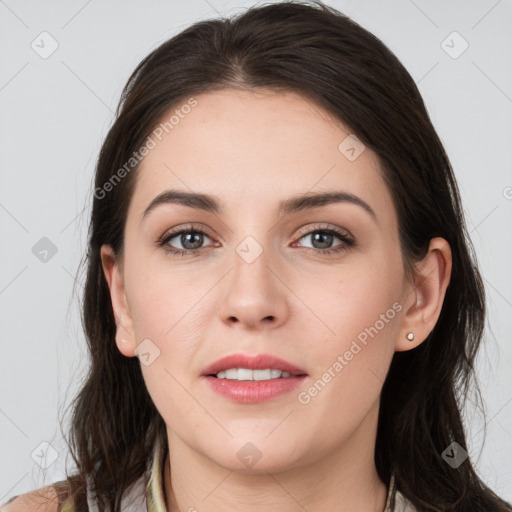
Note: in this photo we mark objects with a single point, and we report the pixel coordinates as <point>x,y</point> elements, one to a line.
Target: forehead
<point>255,146</point>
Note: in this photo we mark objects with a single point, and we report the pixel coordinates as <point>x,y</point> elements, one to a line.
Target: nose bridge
<point>253,292</point>
<point>251,275</point>
<point>252,235</point>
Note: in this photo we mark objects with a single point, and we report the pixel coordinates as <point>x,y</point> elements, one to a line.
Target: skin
<point>252,149</point>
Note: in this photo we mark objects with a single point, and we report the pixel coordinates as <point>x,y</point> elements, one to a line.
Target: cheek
<point>351,302</point>
<point>356,315</point>
<point>169,308</point>
<point>157,299</point>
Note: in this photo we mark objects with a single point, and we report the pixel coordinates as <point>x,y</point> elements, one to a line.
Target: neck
<point>344,480</point>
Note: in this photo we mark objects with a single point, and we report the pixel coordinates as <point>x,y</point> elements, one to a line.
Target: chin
<point>256,457</point>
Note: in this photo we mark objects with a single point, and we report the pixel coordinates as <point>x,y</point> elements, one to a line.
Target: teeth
<point>247,374</point>
<point>262,374</point>
<point>244,374</point>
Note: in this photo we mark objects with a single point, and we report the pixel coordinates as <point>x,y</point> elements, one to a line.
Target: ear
<point>125,335</point>
<point>424,297</point>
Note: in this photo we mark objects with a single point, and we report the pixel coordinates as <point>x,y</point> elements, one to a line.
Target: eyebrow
<point>210,203</point>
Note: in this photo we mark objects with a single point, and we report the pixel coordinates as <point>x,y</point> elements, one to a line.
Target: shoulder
<point>45,499</point>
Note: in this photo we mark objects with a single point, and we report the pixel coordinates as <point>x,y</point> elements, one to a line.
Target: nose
<point>254,295</point>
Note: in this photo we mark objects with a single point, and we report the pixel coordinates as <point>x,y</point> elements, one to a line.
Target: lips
<point>254,362</point>
<point>257,390</point>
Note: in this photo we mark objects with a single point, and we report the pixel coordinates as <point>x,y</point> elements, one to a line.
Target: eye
<point>322,238</point>
<point>190,238</point>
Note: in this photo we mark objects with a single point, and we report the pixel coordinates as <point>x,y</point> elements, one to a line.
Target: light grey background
<point>55,112</point>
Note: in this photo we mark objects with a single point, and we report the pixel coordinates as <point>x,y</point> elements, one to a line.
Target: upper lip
<point>253,362</point>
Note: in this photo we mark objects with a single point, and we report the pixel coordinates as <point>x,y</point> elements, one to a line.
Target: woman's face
<point>260,281</point>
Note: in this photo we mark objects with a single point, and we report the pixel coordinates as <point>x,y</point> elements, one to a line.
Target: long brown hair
<point>314,50</point>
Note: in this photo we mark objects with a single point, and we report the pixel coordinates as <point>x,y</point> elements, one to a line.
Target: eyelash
<point>347,241</point>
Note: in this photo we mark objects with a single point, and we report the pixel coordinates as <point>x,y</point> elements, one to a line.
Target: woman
<point>282,305</point>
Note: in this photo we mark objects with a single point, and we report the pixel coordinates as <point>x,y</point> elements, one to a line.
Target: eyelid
<point>324,227</point>
<point>187,227</point>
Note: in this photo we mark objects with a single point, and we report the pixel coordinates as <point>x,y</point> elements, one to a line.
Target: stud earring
<point>410,336</point>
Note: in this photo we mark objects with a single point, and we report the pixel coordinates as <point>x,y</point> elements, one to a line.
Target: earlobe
<point>125,336</point>
<point>425,297</point>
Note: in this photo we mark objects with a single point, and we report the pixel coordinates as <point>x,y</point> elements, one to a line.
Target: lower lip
<point>253,391</point>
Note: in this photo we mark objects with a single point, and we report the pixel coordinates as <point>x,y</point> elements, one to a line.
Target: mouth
<point>252,379</point>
